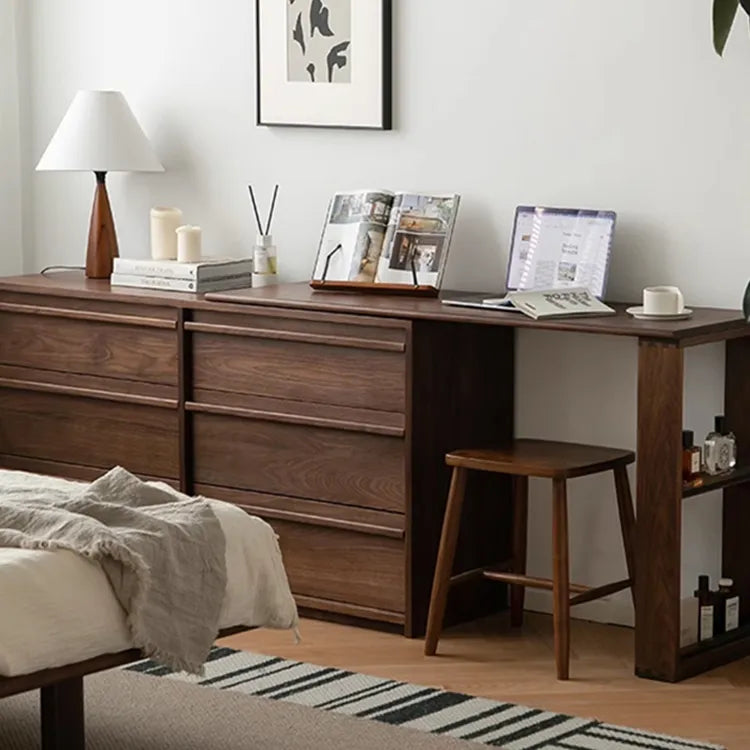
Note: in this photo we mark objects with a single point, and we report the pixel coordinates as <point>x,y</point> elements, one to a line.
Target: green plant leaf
<point>725,12</point>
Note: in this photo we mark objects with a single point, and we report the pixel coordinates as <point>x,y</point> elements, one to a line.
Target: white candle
<point>164,222</point>
<point>188,244</point>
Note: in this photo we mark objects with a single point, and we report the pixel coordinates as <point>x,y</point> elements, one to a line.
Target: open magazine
<point>540,303</point>
<point>375,236</point>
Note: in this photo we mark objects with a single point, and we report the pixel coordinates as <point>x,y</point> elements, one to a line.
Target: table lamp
<point>99,133</point>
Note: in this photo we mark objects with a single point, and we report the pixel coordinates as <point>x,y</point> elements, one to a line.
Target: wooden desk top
<point>707,324</point>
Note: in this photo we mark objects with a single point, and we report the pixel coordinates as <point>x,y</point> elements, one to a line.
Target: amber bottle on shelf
<point>705,609</point>
<point>691,457</point>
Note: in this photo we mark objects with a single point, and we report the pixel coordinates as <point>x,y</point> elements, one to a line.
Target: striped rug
<point>487,722</point>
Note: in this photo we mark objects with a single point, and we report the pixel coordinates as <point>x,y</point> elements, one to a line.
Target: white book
<point>541,303</point>
<point>203,270</point>
<point>240,281</point>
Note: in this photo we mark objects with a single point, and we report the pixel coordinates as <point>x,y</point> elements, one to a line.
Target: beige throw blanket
<point>162,552</point>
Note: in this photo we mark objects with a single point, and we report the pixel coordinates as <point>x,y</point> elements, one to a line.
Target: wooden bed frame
<point>62,702</point>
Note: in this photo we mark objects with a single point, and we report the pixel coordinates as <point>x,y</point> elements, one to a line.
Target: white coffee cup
<point>663,300</point>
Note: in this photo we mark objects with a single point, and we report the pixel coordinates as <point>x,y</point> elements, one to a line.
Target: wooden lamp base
<point>102,248</point>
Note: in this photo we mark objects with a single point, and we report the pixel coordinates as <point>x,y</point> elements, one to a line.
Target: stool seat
<point>542,458</point>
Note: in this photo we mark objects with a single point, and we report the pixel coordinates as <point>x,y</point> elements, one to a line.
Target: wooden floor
<point>488,659</point>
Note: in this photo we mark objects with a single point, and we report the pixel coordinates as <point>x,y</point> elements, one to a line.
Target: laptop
<point>551,248</point>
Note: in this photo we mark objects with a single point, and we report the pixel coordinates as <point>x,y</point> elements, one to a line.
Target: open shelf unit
<point>739,475</point>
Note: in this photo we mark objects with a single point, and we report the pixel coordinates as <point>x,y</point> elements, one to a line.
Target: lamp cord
<point>46,269</point>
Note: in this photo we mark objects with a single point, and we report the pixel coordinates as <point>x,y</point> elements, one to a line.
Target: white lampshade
<point>99,133</point>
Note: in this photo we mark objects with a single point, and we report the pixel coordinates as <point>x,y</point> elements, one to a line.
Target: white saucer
<point>637,312</point>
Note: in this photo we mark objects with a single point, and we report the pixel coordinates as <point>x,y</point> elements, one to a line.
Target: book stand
<point>415,289</point>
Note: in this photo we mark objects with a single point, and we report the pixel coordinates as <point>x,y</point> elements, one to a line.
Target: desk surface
<point>707,324</point>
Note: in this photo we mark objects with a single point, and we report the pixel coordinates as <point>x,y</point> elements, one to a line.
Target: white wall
<point>600,104</point>
<point>10,142</point>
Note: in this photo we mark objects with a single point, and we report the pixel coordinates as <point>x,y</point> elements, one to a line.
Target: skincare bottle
<point>691,457</point>
<point>728,602</point>
<point>705,609</point>
<point>719,449</point>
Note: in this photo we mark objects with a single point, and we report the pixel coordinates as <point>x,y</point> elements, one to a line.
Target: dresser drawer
<point>89,432</point>
<point>333,465</point>
<point>89,343</point>
<point>304,360</point>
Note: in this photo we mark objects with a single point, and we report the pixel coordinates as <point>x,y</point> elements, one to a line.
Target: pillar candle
<point>164,222</point>
<point>188,244</point>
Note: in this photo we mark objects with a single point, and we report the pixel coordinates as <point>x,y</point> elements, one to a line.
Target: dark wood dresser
<point>331,426</point>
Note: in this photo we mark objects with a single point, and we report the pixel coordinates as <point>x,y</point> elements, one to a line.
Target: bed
<point>65,621</point>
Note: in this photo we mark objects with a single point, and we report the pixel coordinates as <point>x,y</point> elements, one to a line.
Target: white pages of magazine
<point>375,236</point>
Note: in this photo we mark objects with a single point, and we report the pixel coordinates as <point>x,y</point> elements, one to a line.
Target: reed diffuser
<point>264,252</point>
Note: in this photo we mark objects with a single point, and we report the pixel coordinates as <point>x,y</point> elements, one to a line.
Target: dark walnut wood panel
<point>89,432</point>
<point>659,510</point>
<point>310,462</point>
<point>343,566</point>
<point>298,412</point>
<point>316,513</point>
<point>342,330</point>
<point>68,471</point>
<point>359,378</point>
<point>707,324</point>
<point>104,309</point>
<point>89,348</point>
<point>93,385</point>
<point>736,550</point>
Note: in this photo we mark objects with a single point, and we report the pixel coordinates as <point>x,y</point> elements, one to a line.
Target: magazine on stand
<point>376,236</point>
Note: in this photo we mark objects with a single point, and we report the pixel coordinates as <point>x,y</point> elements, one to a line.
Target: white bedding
<point>57,608</point>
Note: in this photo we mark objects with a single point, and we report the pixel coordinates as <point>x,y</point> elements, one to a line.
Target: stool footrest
<point>529,581</point>
<point>470,575</point>
<point>600,591</point>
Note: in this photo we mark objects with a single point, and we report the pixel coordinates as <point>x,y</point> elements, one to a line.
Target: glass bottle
<point>729,602</point>
<point>705,609</point>
<point>719,449</point>
<point>691,457</point>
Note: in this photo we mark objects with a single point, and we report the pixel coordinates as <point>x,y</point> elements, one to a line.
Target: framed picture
<point>324,63</point>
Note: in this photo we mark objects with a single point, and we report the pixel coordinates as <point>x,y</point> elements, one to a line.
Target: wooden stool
<point>524,459</point>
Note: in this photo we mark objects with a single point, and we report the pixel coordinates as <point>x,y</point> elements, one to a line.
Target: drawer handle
<point>305,338</point>
<point>334,523</point>
<point>99,317</point>
<point>69,390</point>
<point>272,416</point>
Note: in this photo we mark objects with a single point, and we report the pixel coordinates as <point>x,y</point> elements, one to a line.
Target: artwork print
<point>319,41</point>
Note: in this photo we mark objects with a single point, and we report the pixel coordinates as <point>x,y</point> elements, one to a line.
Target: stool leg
<point>520,536</point>
<point>561,579</point>
<point>446,554</point>
<point>627,521</point>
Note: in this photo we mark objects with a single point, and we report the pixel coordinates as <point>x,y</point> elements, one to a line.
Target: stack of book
<point>207,275</point>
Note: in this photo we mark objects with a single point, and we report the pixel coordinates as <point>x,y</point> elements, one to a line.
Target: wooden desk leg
<point>659,510</point>
<point>62,715</point>
<point>520,540</point>
<point>561,578</point>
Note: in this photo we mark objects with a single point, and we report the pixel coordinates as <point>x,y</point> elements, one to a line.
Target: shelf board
<point>738,475</point>
<point>701,657</point>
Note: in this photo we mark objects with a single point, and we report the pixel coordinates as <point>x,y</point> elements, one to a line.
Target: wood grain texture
<point>89,348</point>
<point>298,412</point>
<point>490,659</point>
<point>102,243</point>
<point>303,372</point>
<point>89,432</point>
<point>659,513</point>
<point>736,518</point>
<point>457,399</point>
<point>333,515</point>
<point>343,566</point>
<point>707,324</point>
<point>311,462</point>
<point>542,458</point>
<point>50,311</point>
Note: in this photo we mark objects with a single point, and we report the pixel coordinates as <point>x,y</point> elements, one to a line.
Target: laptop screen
<point>554,248</point>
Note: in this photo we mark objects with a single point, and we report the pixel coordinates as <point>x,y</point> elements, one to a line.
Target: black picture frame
<point>386,86</point>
